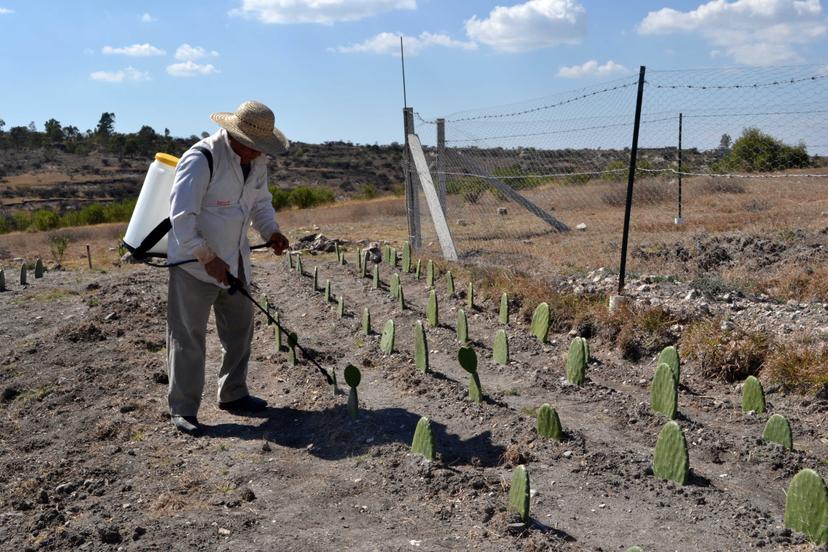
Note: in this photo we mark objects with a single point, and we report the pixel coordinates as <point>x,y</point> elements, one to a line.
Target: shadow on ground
<point>330,434</point>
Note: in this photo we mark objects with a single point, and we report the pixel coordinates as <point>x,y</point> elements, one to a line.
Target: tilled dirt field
<point>89,460</point>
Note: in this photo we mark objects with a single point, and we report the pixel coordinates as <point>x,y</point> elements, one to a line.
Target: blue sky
<point>330,69</point>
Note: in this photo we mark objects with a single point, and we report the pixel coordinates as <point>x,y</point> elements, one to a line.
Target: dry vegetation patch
<point>723,352</point>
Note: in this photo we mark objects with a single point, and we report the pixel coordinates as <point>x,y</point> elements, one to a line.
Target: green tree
<point>54,132</point>
<point>756,151</point>
<point>106,125</point>
<point>725,141</point>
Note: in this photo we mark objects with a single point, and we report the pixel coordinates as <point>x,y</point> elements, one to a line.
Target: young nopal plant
<point>376,280</point>
<point>519,493</point>
<point>38,270</point>
<point>753,396</point>
<point>340,307</point>
<point>394,285</point>
<point>406,258</point>
<point>450,283</point>
<point>548,423</point>
<point>430,274</point>
<point>293,340</point>
<point>352,378</point>
<point>470,296</point>
<point>278,333</point>
<point>670,357</point>
<point>504,309</point>
<point>663,391</point>
<point>540,322</point>
<point>387,339</point>
<point>420,347</point>
<point>366,321</point>
<point>462,327</point>
<point>423,442</point>
<point>806,506</point>
<point>576,361</point>
<point>401,298</point>
<point>671,460</point>
<point>316,278</point>
<point>417,271</point>
<point>500,350</point>
<point>327,291</point>
<point>432,309</point>
<point>778,430</point>
<point>2,280</point>
<point>299,270</point>
<point>23,272</point>
<point>468,361</point>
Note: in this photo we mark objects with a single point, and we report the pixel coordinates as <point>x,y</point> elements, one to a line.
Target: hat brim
<point>272,144</point>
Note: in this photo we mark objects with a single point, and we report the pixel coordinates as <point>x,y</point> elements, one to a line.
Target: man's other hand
<point>218,270</point>
<point>278,242</point>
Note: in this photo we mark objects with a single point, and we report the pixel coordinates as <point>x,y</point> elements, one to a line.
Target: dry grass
<point>637,331</point>
<point>798,367</point>
<point>645,192</point>
<point>798,282</point>
<point>725,354</point>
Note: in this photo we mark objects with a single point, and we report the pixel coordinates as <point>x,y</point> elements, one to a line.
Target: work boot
<point>187,424</point>
<point>244,404</point>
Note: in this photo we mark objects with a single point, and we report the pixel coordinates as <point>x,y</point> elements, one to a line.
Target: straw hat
<point>253,124</point>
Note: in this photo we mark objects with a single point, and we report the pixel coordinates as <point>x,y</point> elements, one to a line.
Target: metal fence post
<point>631,180</point>
<point>441,163</point>
<point>679,219</point>
<point>412,199</point>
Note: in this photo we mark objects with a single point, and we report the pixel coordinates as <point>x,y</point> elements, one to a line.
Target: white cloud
<point>128,74</point>
<point>752,32</point>
<point>325,12</point>
<point>592,68</point>
<point>6,11</point>
<point>136,50</point>
<point>531,25</point>
<point>190,69</point>
<point>185,52</point>
<point>147,18</point>
<point>389,43</point>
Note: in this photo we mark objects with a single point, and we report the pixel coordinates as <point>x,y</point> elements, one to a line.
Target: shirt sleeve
<point>263,216</point>
<point>192,176</point>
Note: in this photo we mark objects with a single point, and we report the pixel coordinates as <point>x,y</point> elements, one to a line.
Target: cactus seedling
<point>548,423</point>
<point>420,347</point>
<point>401,298</point>
<point>753,396</point>
<point>519,493</point>
<point>394,257</point>
<point>342,257</point>
<point>23,272</point>
<point>470,296</point>
<point>663,392</point>
<point>2,280</point>
<point>450,283</point>
<point>39,268</point>
<point>299,269</point>
<point>278,333</point>
<point>327,291</point>
<point>468,361</point>
<point>634,549</point>
<point>363,266</point>
<point>417,270</point>
<point>292,341</point>
<point>500,350</point>
<point>432,309</point>
<point>576,361</point>
<point>806,506</point>
<point>387,339</point>
<point>376,281</point>
<point>338,251</point>
<point>540,322</point>
<point>267,307</point>
<point>462,327</point>
<point>352,378</point>
<point>340,307</point>
<point>366,321</point>
<point>394,286</point>
<point>504,309</point>
<point>670,357</point>
<point>778,430</point>
<point>423,442</point>
<point>430,274</point>
<point>671,460</point>
<point>406,258</point>
<point>289,259</point>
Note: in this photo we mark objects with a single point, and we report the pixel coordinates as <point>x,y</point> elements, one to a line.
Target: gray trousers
<point>188,310</point>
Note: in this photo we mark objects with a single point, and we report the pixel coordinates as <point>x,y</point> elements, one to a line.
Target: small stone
<point>110,534</point>
<point>582,227</point>
<point>248,495</point>
<point>567,454</point>
<point>692,294</point>
<point>461,222</point>
<point>138,532</point>
<point>223,531</point>
<point>502,211</point>
<point>42,497</point>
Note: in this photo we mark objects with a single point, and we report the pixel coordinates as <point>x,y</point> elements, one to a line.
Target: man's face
<point>245,153</point>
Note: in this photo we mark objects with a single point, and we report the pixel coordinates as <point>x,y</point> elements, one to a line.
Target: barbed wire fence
<point>542,185</point>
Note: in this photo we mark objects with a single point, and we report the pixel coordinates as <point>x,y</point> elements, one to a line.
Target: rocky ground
<point>89,461</point>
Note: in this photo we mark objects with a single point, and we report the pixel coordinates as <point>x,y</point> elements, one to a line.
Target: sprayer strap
<point>208,155</point>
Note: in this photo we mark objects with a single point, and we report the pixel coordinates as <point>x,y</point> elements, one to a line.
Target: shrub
<point>45,219</point>
<point>725,354</point>
<point>304,197</point>
<point>281,198</point>
<point>797,367</point>
<point>756,151</point>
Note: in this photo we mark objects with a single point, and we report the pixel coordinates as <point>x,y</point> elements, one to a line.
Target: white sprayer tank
<point>153,204</point>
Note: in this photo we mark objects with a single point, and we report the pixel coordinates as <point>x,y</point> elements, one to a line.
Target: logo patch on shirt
<point>223,203</point>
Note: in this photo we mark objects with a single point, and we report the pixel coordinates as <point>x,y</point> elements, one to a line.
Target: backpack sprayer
<point>146,235</point>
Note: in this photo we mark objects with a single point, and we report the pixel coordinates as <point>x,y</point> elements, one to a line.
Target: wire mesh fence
<point>719,150</point>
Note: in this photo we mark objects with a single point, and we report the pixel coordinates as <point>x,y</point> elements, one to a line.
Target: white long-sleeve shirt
<point>211,216</point>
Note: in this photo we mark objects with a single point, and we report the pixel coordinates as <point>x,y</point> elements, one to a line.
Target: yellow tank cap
<point>167,159</point>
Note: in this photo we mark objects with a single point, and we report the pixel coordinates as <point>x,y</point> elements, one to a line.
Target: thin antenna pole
<point>402,58</point>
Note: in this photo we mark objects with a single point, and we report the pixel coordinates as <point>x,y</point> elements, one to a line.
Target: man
<point>211,208</point>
